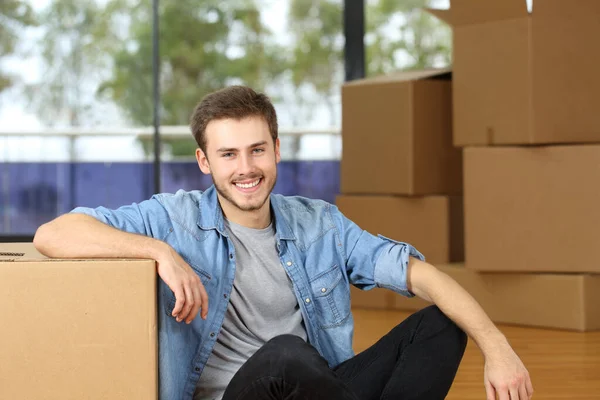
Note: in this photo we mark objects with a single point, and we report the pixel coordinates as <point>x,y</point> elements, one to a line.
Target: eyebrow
<point>233,149</point>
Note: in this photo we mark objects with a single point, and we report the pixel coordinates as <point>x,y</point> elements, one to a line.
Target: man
<point>269,276</point>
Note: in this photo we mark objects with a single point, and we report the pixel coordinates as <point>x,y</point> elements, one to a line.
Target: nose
<point>245,164</point>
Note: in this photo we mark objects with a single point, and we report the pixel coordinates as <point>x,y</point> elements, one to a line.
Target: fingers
<point>529,387</point>
<point>523,392</point>
<point>514,393</point>
<point>195,288</point>
<point>190,297</point>
<point>204,300</point>
<point>503,394</point>
<point>490,391</point>
<point>189,302</point>
<point>200,300</point>
<point>179,300</point>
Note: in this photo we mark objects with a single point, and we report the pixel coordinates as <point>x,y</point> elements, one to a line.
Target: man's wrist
<point>158,250</point>
<point>493,343</point>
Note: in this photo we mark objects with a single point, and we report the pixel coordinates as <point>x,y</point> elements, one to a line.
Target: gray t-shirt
<point>262,305</point>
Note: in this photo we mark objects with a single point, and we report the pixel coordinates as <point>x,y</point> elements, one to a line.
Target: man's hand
<point>506,377</point>
<point>190,294</point>
<point>505,374</point>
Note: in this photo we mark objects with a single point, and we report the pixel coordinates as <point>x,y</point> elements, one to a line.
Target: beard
<point>226,191</point>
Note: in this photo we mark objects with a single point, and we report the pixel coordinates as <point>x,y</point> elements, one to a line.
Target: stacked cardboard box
<point>524,111</point>
<point>525,115</point>
<point>80,329</point>
<point>526,299</point>
<point>401,176</point>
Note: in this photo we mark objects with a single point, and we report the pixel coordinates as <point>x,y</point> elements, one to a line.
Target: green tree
<point>77,36</point>
<point>15,16</point>
<point>204,46</point>
<point>402,35</point>
<point>393,28</point>
<point>317,56</point>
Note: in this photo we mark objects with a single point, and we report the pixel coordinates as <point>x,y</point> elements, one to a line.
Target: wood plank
<point>562,364</point>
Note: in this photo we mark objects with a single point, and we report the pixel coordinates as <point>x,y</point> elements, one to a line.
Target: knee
<point>286,344</point>
<point>434,321</point>
<point>287,351</point>
<point>433,316</point>
<point>278,366</point>
<point>430,322</point>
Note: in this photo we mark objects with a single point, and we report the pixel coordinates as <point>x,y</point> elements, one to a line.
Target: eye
<point>227,155</point>
<point>259,150</point>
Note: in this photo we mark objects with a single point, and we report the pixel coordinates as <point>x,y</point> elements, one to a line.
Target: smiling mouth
<point>248,185</point>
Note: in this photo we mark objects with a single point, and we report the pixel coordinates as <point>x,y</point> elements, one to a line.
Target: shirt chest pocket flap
<point>332,297</point>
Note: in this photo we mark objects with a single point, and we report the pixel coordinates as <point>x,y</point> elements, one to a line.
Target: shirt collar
<point>211,215</point>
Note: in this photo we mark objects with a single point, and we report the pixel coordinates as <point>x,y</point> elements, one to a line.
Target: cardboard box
<point>528,299</point>
<point>512,298</point>
<point>532,209</point>
<point>76,329</point>
<point>380,299</point>
<point>524,78</point>
<point>433,224</point>
<point>397,134</point>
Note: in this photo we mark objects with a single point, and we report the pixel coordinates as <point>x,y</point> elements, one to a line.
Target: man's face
<point>242,160</point>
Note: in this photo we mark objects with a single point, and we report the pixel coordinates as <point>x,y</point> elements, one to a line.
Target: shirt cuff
<point>392,266</point>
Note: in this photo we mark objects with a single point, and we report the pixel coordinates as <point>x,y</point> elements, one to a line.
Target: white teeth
<point>247,185</point>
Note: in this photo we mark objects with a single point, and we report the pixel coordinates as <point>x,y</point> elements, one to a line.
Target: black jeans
<point>418,359</point>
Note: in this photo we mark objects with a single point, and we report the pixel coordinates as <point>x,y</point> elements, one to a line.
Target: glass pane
<point>291,50</point>
<point>66,138</point>
<point>76,96</point>
<point>401,35</point>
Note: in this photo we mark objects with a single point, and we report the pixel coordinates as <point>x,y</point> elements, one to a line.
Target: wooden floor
<point>562,364</point>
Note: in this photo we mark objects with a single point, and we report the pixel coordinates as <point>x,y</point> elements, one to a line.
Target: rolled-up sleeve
<point>374,261</point>
<point>147,218</point>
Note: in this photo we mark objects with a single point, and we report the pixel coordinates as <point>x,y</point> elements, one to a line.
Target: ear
<point>277,152</point>
<point>202,161</point>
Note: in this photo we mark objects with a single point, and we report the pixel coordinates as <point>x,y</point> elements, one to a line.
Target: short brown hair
<point>234,102</point>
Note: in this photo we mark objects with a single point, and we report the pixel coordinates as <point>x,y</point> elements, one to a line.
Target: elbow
<point>42,239</point>
<point>55,239</point>
<point>49,237</point>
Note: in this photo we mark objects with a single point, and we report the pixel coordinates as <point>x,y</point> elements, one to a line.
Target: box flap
<point>465,12</point>
<point>405,76</point>
<point>441,14</point>
<point>561,7</point>
<point>19,252</point>
<point>434,73</point>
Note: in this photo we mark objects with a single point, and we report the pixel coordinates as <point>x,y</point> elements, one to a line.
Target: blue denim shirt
<point>320,249</point>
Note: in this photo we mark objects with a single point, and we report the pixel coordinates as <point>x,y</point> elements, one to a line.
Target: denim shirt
<point>320,249</point>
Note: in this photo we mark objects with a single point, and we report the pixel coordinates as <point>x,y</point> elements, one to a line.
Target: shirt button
<point>225,295</point>
<point>289,263</point>
<point>231,256</point>
<point>212,334</point>
<point>197,369</point>
<point>323,290</point>
<point>307,300</point>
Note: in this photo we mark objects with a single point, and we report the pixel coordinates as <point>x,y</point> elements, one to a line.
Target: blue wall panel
<point>34,193</point>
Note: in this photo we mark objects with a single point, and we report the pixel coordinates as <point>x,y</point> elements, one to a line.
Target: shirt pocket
<point>331,296</point>
<point>205,278</point>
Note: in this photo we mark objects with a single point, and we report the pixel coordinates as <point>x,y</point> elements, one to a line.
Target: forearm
<point>454,301</point>
<point>82,236</point>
